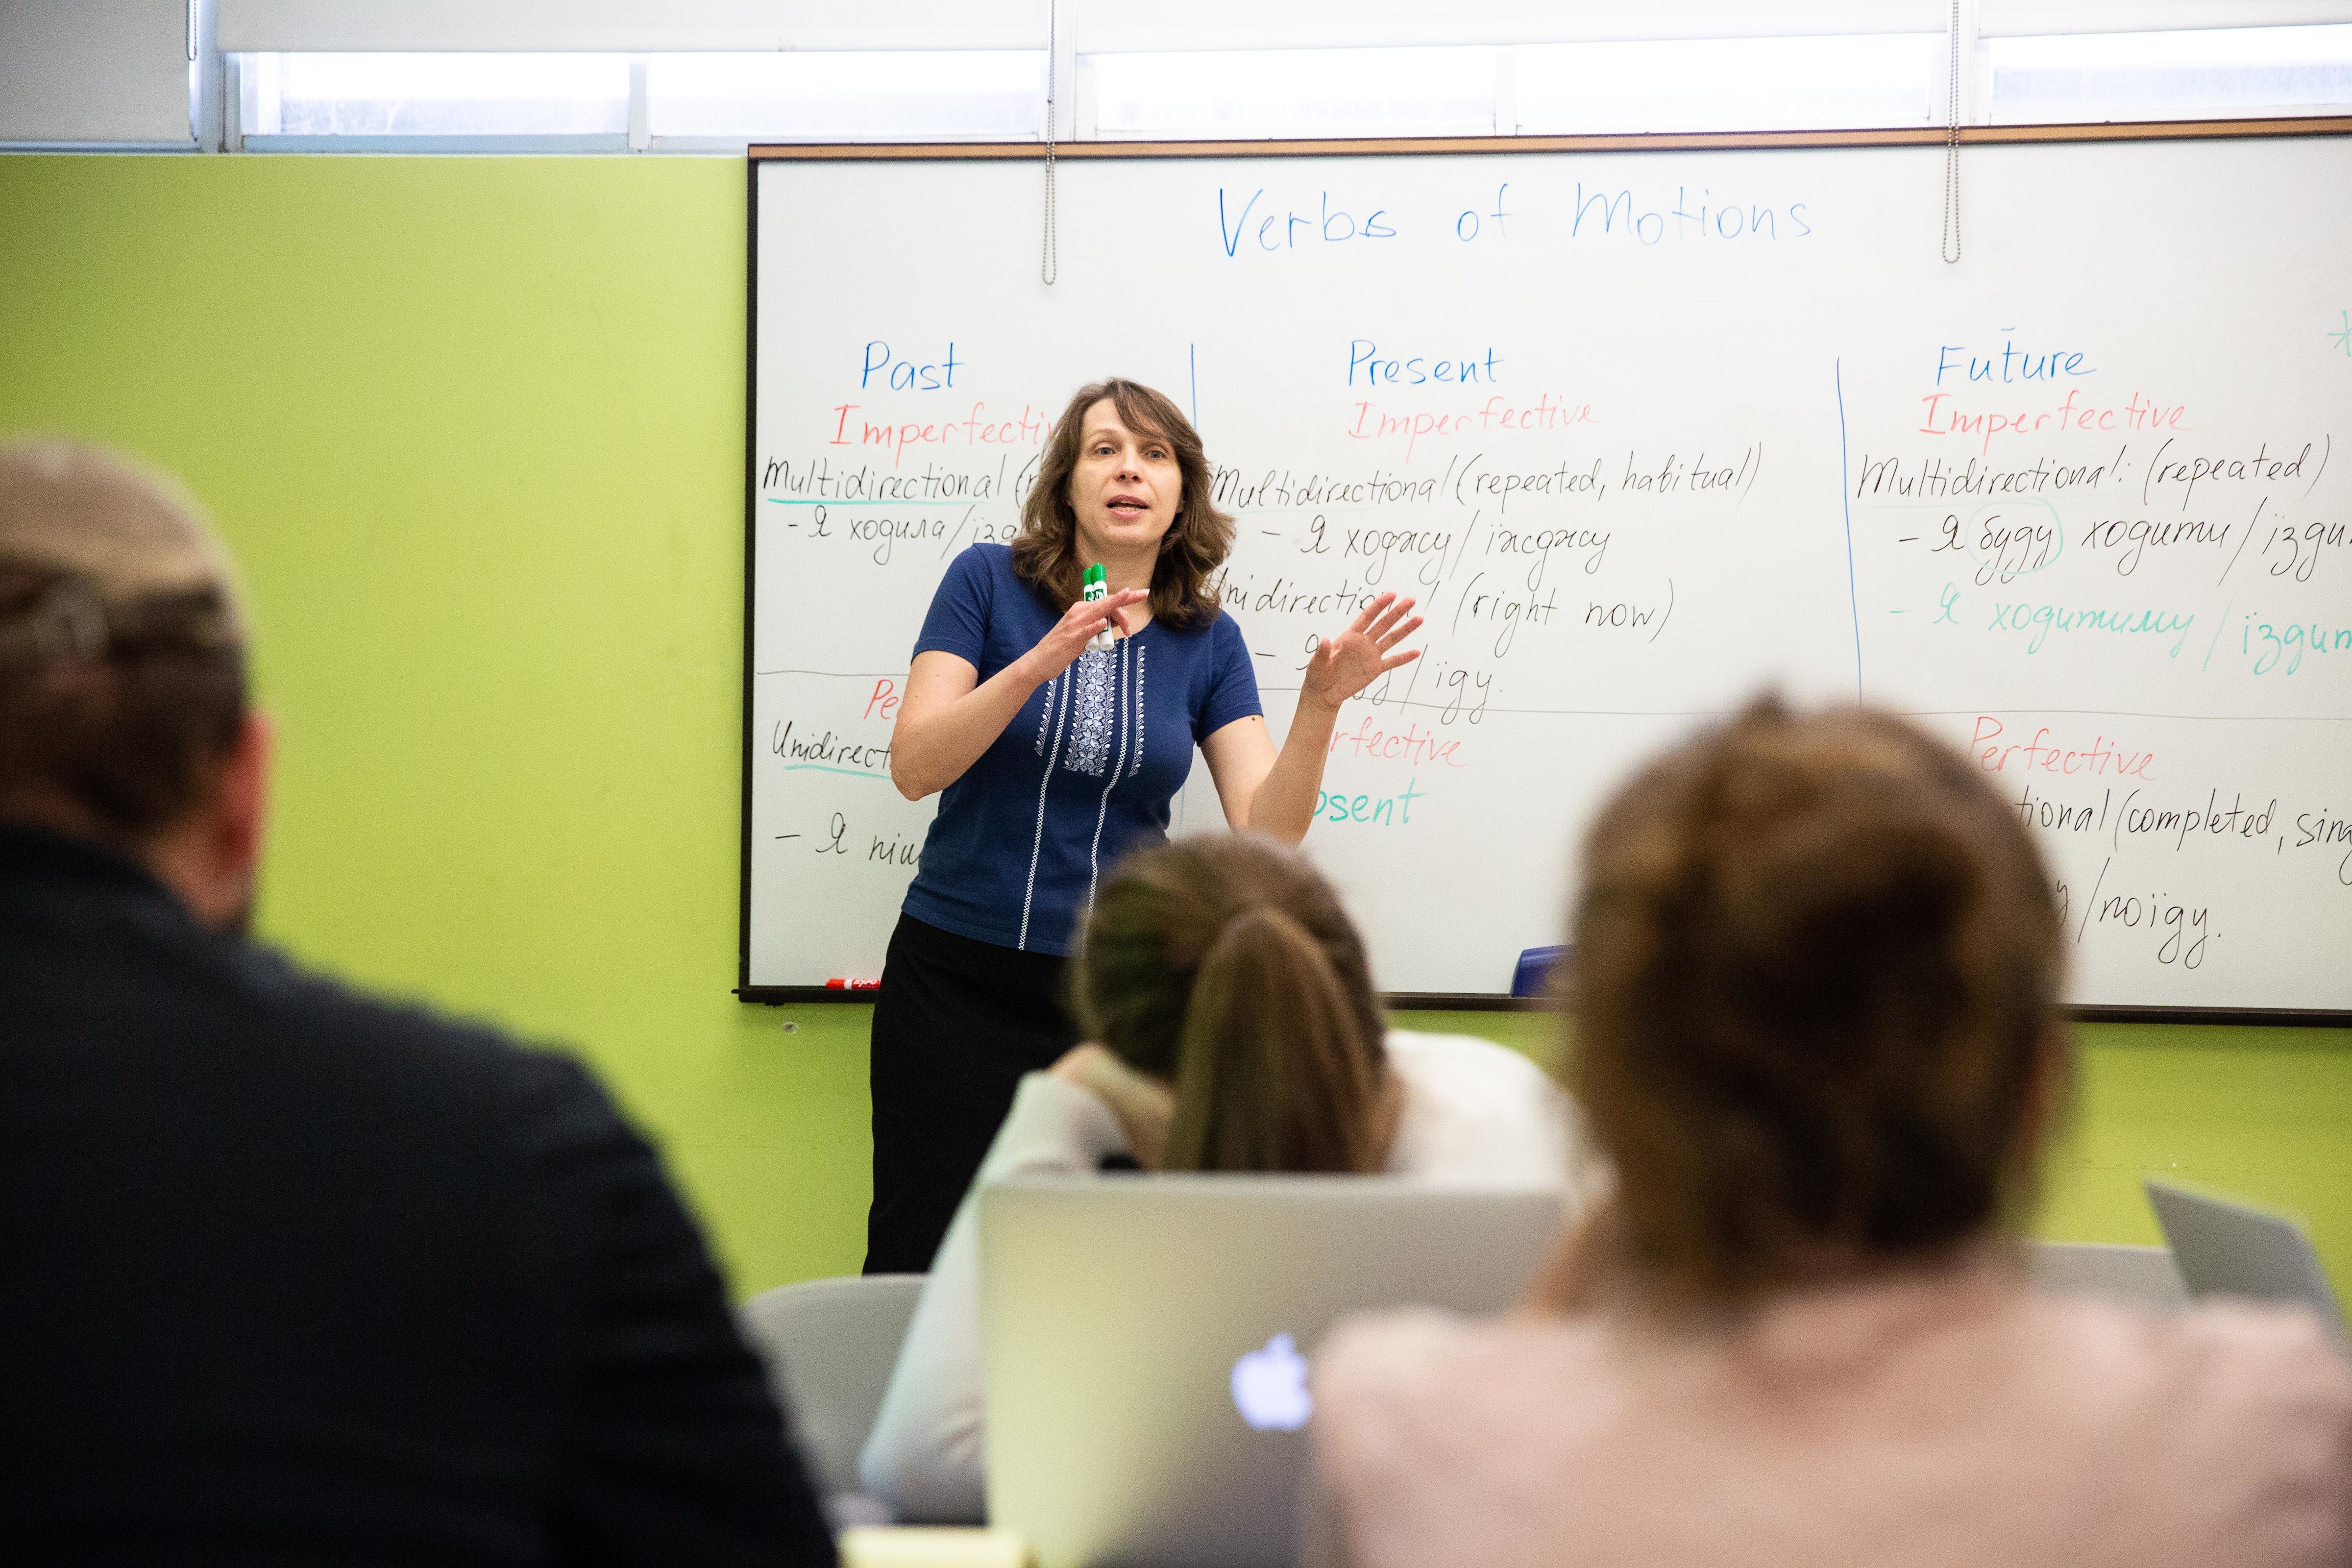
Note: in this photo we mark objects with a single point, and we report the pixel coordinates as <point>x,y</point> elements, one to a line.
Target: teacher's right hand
<point>1059,648</point>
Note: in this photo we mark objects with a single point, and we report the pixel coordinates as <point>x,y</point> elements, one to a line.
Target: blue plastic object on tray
<point>1533,977</point>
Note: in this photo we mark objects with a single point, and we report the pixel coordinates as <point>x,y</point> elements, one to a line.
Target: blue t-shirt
<point>1084,772</point>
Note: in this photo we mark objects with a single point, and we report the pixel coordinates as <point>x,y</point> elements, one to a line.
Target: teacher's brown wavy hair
<point>1045,551</point>
<point>1226,965</point>
<point>1816,970</point>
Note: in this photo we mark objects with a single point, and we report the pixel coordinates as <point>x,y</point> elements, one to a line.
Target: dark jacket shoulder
<point>288,1263</point>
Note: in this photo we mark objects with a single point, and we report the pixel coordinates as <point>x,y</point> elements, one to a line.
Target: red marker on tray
<point>837,984</point>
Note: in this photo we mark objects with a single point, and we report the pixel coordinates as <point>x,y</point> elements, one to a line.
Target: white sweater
<point>1474,1111</point>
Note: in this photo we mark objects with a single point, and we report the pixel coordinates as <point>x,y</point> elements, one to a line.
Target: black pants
<point>956,1024</point>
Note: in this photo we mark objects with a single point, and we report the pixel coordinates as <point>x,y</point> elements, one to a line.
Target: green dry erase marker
<point>1096,586</point>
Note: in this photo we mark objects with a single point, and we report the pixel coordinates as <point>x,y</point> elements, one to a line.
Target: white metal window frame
<point>1085,31</point>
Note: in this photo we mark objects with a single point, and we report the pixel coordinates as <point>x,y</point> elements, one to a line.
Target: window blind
<point>2026,18</point>
<point>1107,26</point>
<point>626,27</point>
<point>116,72</point>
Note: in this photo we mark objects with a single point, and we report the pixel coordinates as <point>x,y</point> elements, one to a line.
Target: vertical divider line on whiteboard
<point>1845,504</point>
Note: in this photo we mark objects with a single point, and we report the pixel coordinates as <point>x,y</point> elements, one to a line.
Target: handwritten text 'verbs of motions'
<point>1249,223</point>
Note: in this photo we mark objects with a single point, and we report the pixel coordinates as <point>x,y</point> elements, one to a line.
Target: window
<point>400,95</point>
<point>1733,84</point>
<point>913,94</point>
<point>1296,93</point>
<point>712,75</point>
<point>2171,76</point>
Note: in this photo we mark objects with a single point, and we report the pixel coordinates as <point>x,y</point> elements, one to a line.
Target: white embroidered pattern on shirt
<point>1095,716</point>
<point>1137,766</point>
<point>1046,716</point>
<point>1044,782</point>
<point>1102,807</point>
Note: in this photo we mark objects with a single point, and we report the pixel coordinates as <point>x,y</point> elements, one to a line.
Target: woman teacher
<point>1052,761</point>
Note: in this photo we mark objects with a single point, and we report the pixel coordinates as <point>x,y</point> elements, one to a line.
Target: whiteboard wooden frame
<point>1643,141</point>
<point>1371,146</point>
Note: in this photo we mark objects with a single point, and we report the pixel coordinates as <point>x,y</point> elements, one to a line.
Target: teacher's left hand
<point>1345,664</point>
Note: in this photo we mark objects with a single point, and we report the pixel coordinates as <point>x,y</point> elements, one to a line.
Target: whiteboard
<point>1647,433</point>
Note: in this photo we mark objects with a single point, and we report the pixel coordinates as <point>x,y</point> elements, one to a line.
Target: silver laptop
<point>2227,1249</point>
<point>1148,1341</point>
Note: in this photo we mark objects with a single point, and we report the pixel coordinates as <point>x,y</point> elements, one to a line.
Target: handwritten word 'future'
<point>2014,365</point>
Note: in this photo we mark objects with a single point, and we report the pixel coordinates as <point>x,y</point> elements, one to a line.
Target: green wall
<point>474,427</point>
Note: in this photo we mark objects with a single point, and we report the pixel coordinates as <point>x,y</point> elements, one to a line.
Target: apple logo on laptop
<point>1270,1386</point>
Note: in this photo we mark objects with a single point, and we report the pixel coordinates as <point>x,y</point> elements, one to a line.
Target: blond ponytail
<point>1273,1072</point>
<point>1227,966</point>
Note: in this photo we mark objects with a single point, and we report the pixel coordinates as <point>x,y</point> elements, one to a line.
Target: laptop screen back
<point>2227,1249</point>
<point>1147,1337</point>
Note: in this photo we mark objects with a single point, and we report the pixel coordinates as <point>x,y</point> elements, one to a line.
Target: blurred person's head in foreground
<point>123,712</point>
<point>1817,965</point>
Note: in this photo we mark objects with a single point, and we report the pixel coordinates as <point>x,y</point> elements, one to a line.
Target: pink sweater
<point>1953,1418</point>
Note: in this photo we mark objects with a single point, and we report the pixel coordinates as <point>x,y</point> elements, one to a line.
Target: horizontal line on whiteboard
<point>1368,505</point>
<point>2122,713</point>
<point>779,500</point>
<point>1904,712</point>
<point>827,768</point>
<point>1714,712</point>
<point>1559,712</point>
<point>840,673</point>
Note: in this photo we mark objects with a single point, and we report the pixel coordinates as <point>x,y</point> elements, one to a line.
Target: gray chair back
<point>830,1345</point>
<point>2144,1275</point>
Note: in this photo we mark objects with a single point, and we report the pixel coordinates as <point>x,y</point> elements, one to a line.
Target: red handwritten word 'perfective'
<point>2102,758</point>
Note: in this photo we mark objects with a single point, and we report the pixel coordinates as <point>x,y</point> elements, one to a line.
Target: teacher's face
<point>1126,486</point>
